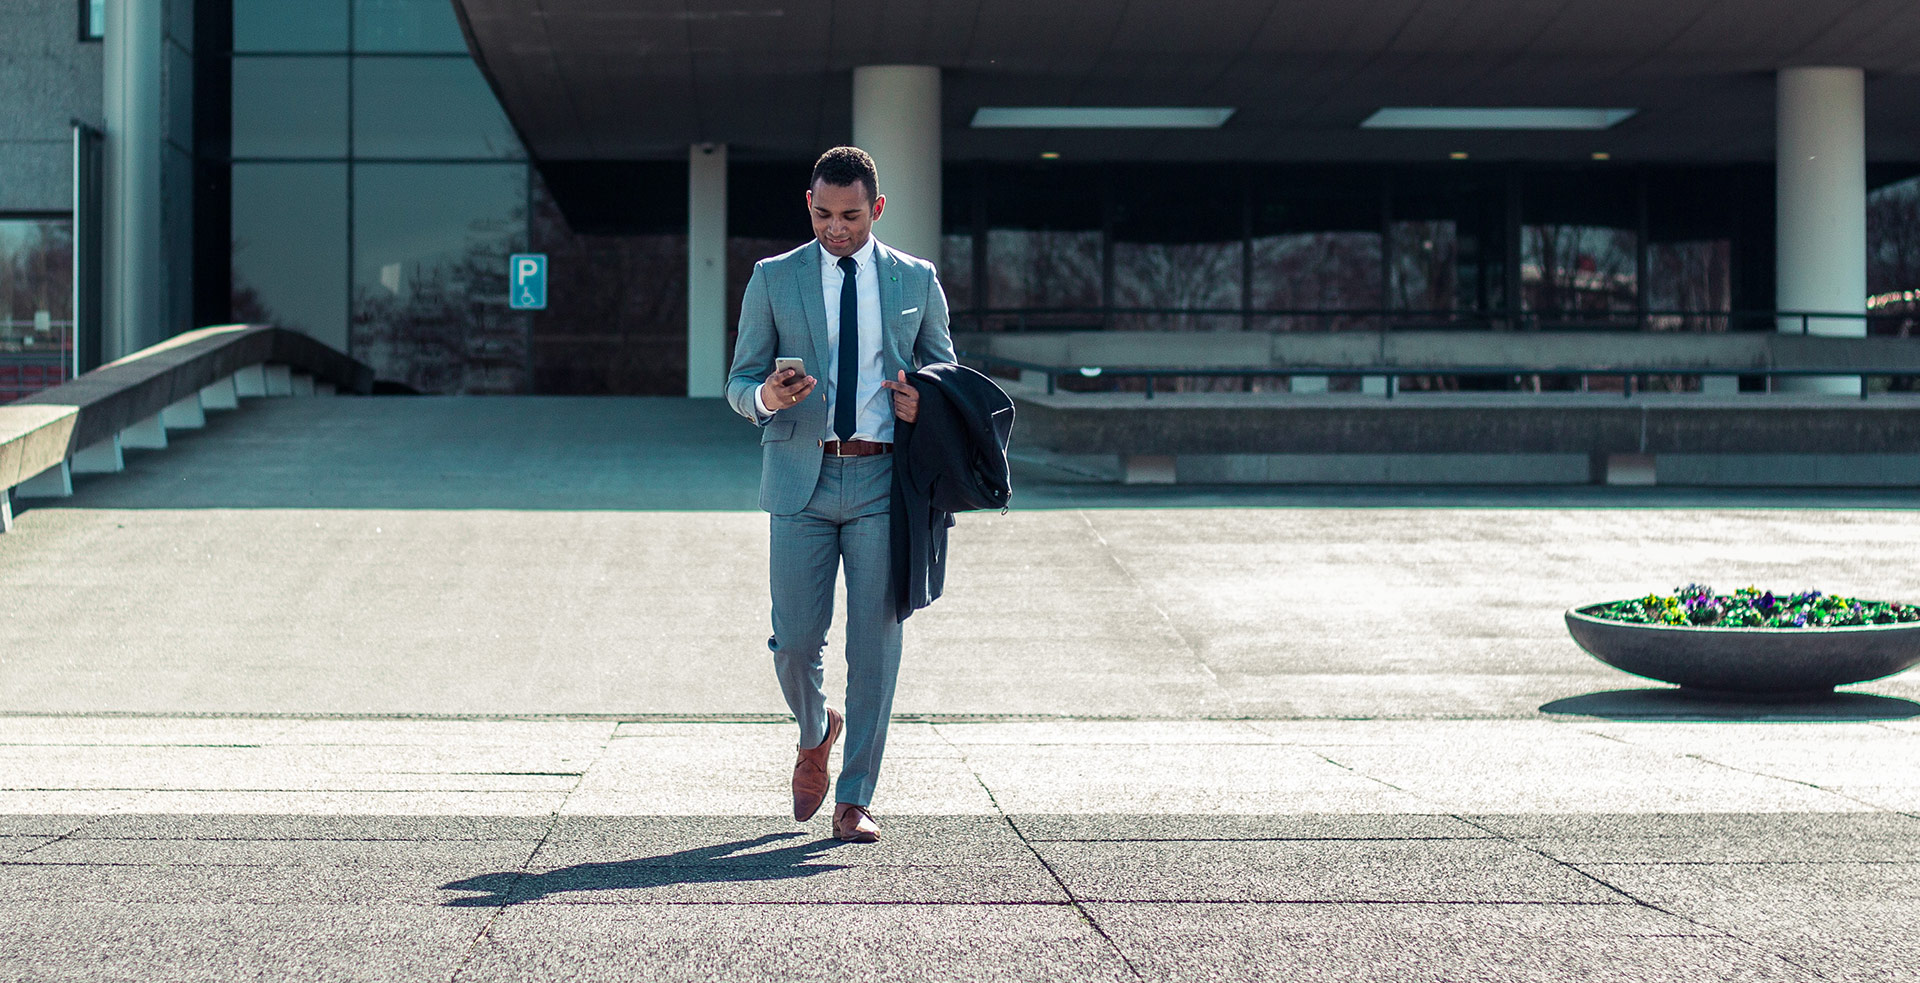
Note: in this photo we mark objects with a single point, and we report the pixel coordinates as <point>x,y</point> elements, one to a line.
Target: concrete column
<point>707,269</point>
<point>132,52</point>
<point>896,118</point>
<point>1821,197</point>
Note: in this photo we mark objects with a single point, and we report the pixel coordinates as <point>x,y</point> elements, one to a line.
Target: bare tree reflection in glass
<point>1893,266</point>
<point>36,305</point>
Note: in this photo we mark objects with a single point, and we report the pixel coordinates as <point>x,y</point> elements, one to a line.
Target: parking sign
<point>527,281</point>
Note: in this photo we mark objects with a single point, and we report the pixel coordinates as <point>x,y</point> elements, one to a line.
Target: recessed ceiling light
<point>1049,155</point>
<point>1493,118</point>
<point>1100,117</point>
<point>1457,155</point>
<point>1602,155</point>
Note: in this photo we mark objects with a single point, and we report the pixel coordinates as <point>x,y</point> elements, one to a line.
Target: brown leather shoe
<point>853,824</point>
<point>810,772</point>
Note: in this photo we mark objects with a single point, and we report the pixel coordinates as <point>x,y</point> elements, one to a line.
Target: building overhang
<point>642,79</point>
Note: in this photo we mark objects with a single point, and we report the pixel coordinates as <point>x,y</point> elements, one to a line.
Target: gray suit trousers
<point>845,524</point>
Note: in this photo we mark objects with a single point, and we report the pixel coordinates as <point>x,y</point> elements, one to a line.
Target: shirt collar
<point>862,257</point>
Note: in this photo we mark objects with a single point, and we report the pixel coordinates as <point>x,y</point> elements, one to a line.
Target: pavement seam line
<point>1689,919</point>
<point>1067,892</point>
<point>1457,817</point>
<point>486,931</point>
<point>88,821</point>
<point>1703,759</point>
<point>1193,650</point>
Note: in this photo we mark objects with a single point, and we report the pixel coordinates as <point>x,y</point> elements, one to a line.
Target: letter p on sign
<point>527,281</point>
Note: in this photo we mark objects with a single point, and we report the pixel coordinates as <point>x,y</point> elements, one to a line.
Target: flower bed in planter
<point>1751,642</point>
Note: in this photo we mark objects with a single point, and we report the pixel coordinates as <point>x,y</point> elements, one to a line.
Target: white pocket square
<point>908,311</point>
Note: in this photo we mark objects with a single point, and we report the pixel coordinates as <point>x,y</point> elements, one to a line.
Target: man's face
<point>842,216</point>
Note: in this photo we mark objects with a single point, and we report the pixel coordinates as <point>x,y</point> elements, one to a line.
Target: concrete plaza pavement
<point>476,689</point>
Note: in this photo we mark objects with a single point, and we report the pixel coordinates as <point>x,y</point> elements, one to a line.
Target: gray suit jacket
<point>783,315</point>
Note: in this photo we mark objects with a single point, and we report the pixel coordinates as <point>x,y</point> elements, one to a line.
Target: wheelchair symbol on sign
<point>527,274</point>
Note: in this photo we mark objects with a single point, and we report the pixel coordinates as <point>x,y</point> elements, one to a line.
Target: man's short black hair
<point>842,166</point>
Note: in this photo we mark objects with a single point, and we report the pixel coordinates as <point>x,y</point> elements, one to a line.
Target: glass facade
<point>280,276</point>
<point>1893,257</point>
<point>36,305</point>
<point>430,246</point>
<point>376,190</point>
<point>616,321</point>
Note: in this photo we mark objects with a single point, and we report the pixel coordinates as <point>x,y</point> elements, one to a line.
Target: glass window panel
<point>1578,247</point>
<point>1176,276</point>
<point>1044,244</point>
<point>1045,269</point>
<point>1443,228</point>
<point>413,26</point>
<point>430,275</point>
<point>290,25</point>
<point>1176,246</point>
<point>1570,270</point>
<point>36,305</point>
<point>290,107</point>
<point>96,18</point>
<point>1685,277</point>
<point>1426,265</point>
<point>616,317</point>
<point>1334,272</point>
<point>427,107</point>
<point>1893,257</point>
<point>956,271</point>
<point>290,248</point>
<point>1315,248</point>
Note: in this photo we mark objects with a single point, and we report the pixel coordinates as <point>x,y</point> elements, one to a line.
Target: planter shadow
<point>1684,705</point>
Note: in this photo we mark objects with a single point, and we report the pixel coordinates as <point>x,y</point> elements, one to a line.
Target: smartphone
<point>798,365</point>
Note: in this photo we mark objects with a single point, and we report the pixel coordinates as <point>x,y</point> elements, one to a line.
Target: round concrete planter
<point>1749,661</point>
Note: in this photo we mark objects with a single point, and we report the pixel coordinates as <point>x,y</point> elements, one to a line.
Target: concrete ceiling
<point>641,79</point>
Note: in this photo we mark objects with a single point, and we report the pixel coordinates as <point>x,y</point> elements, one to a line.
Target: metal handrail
<point>1628,374</point>
<point>1522,320</point>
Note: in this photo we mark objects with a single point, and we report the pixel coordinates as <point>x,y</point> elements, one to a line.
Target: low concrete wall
<point>1479,438</point>
<point>1439,351</point>
<point>142,395</point>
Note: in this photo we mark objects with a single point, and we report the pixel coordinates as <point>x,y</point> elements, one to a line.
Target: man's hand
<point>783,391</point>
<point>906,399</point>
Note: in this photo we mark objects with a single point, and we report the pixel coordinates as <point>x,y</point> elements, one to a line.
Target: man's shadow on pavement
<point>722,863</point>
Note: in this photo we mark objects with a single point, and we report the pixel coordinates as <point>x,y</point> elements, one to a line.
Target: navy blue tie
<point>848,388</point>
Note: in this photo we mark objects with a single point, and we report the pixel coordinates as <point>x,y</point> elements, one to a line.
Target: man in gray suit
<point>861,315</point>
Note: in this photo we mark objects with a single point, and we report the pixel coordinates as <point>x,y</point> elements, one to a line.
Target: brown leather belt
<point>854,448</point>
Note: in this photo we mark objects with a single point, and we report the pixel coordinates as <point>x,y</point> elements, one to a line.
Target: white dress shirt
<point>873,409</point>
